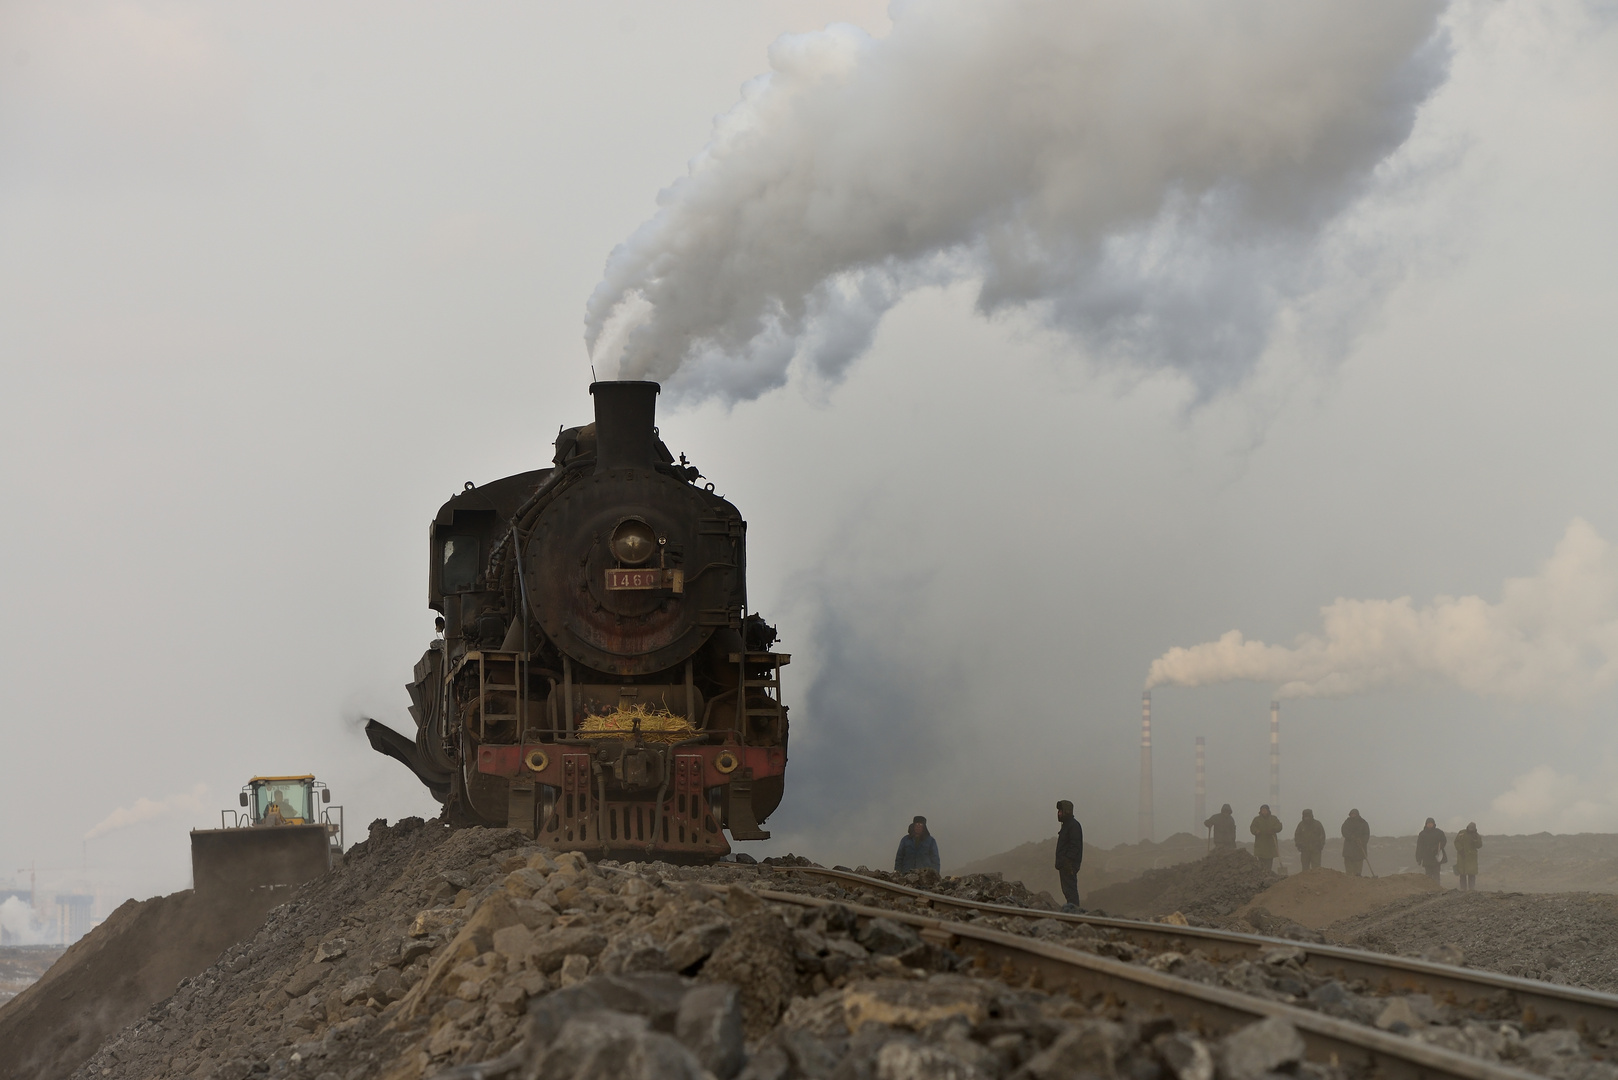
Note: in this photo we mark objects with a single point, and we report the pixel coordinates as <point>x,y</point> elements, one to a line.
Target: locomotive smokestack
<point>1146,766</point>
<point>626,421</point>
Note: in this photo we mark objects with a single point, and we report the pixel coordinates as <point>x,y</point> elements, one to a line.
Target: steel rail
<point>1588,1011</point>
<point>1209,1010</point>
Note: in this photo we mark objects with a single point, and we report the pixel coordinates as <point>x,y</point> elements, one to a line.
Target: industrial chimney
<point>1146,766</point>
<point>1275,758</point>
<point>1202,784</point>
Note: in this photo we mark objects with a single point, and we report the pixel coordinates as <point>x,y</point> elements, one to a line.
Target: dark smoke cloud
<point>876,688</point>
<point>1154,179</point>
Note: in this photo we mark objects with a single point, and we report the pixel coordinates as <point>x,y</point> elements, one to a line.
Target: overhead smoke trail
<point>145,809</point>
<point>1153,178</point>
<point>1551,636</point>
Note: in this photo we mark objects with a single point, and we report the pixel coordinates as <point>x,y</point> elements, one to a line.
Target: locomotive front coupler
<point>634,767</point>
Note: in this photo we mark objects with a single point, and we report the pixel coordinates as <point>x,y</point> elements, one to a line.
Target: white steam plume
<point>145,809</point>
<point>1551,636</point>
<point>1152,177</point>
<point>20,925</point>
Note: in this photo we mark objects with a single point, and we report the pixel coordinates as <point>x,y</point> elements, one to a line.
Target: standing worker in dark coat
<point>1310,836</point>
<point>1356,842</point>
<point>1265,828</point>
<point>1467,842</point>
<point>1430,853</point>
<point>1223,825</point>
<point>918,850</point>
<point>1069,855</point>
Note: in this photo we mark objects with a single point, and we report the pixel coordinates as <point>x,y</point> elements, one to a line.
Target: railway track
<point>1536,1003</point>
<point>1213,1011</point>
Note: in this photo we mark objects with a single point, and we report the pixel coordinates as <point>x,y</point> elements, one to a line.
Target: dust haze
<point>1006,426</point>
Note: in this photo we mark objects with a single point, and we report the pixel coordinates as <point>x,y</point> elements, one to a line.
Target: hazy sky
<point>277,279</point>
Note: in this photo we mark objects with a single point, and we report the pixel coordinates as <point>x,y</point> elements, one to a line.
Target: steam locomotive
<point>599,682</point>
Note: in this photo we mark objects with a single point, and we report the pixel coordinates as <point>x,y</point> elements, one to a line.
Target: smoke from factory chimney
<point>1202,785</point>
<point>1275,758</point>
<point>1146,766</point>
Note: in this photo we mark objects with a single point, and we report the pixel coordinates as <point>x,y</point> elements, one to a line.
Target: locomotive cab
<point>599,682</point>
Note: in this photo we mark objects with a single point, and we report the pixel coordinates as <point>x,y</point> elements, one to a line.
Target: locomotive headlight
<point>633,542</point>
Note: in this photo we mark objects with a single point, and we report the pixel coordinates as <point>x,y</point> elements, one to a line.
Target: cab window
<point>460,554</point>
<point>291,797</point>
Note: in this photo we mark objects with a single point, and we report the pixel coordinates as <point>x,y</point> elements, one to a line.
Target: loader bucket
<point>227,861</point>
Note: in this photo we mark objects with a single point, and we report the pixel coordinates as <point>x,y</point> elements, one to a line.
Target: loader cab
<point>283,800</point>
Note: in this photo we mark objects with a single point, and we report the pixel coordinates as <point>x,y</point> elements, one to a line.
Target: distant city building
<point>76,915</point>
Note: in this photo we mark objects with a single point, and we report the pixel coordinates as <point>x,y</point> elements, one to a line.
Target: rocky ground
<point>460,954</point>
<point>1567,938</point>
<point>473,953</point>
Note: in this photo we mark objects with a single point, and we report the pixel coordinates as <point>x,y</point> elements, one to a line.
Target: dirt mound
<point>22,965</point>
<point>987,888</point>
<point>1209,888</point>
<point>1569,938</point>
<point>433,948</point>
<point>1033,863</point>
<point>1319,897</point>
<point>110,976</point>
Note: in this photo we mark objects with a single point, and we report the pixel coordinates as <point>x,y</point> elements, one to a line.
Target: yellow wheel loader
<point>287,835</point>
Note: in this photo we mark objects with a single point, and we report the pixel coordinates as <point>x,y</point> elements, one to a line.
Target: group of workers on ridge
<point>919,851</point>
<point>1310,837</point>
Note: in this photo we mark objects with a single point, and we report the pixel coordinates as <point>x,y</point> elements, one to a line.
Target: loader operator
<point>1223,825</point>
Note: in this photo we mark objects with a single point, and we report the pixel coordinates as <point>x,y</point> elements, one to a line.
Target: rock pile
<point>473,953</point>
<point>1568,938</point>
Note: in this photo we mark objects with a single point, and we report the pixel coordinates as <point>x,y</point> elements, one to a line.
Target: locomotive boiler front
<point>599,683</point>
<point>632,569</point>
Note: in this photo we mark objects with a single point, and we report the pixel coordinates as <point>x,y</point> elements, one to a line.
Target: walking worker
<point>1223,825</point>
<point>1310,836</point>
<point>1069,855</point>
<point>1356,842</point>
<point>1430,853</point>
<point>1467,842</point>
<point>1265,828</point>
<point>918,850</point>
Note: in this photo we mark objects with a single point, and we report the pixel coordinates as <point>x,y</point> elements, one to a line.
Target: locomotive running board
<point>743,825</point>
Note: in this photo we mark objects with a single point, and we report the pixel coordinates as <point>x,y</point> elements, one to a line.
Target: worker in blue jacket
<point>918,850</point>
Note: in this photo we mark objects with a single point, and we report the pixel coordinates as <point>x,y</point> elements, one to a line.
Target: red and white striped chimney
<point>1146,766</point>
